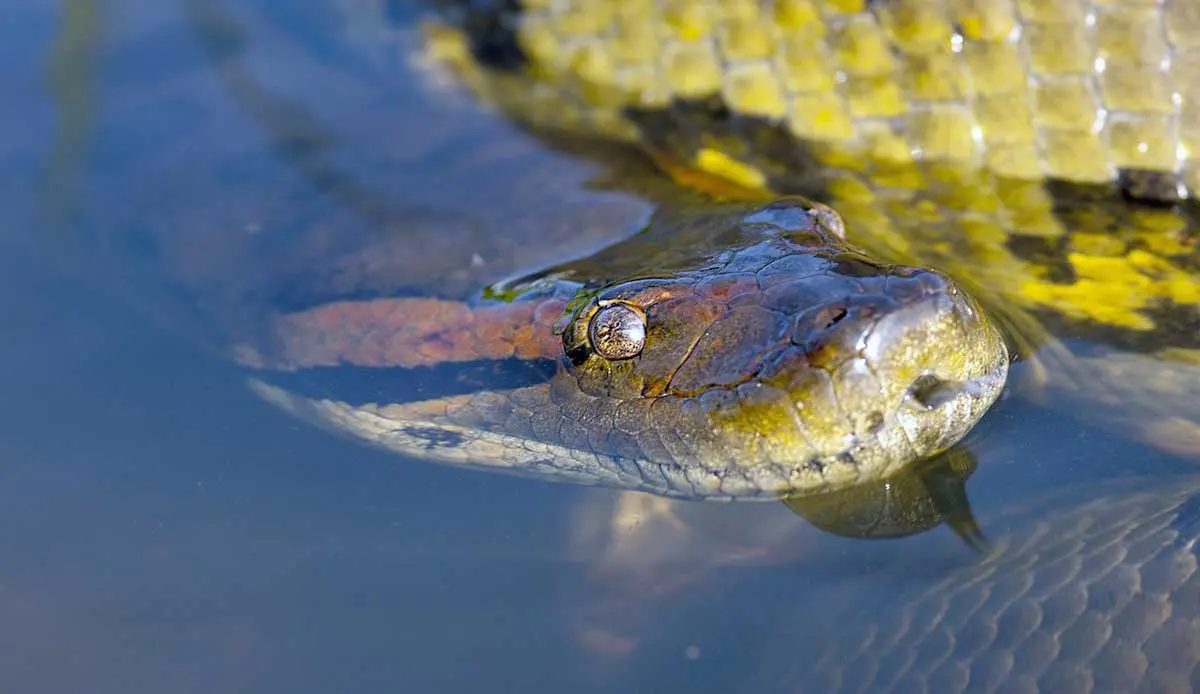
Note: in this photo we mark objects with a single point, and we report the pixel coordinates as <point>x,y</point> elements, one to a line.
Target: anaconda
<point>943,138</point>
<point>1044,153</point>
<point>1017,565</point>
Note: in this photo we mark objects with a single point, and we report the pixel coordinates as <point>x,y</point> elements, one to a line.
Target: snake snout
<point>939,358</point>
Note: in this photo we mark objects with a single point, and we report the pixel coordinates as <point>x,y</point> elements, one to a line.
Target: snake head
<point>797,364</point>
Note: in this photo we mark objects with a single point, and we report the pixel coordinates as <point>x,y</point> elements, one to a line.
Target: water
<point>164,530</point>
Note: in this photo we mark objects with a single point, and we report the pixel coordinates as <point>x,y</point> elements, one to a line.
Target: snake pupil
<point>617,331</point>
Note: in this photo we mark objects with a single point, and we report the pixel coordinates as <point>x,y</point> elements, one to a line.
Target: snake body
<point>1046,151</point>
<point>991,138</point>
<point>998,140</point>
<point>1091,591</point>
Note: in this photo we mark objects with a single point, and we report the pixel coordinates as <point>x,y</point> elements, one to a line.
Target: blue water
<point>163,530</point>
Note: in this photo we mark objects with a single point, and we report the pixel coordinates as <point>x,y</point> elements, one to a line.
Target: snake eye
<point>617,331</point>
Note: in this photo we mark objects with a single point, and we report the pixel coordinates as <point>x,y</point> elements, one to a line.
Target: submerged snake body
<point>1087,595</point>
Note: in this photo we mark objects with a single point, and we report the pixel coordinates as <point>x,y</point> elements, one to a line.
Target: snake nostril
<point>814,332</point>
<point>929,392</point>
<point>829,317</point>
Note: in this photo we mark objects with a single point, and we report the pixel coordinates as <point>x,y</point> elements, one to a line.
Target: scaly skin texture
<point>1090,593</point>
<point>777,360</point>
<point>995,140</point>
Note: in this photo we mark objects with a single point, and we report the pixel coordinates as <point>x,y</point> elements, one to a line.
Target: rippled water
<point>163,530</point>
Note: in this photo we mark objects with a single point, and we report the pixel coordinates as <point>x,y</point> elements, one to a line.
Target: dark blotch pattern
<point>1155,187</point>
<point>1047,252</point>
<point>490,26</point>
